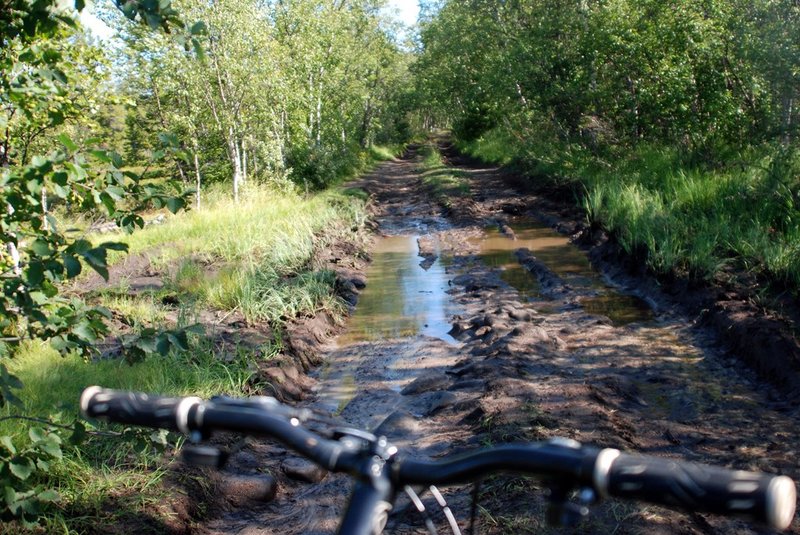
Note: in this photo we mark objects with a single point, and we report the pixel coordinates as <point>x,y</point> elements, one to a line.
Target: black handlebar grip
<point>761,497</point>
<point>137,408</point>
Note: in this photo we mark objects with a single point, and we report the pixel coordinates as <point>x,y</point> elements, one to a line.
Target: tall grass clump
<point>675,212</point>
<point>443,181</point>
<point>260,250</point>
<point>115,472</point>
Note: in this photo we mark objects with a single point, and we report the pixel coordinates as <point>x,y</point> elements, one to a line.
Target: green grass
<point>256,257</point>
<point>677,215</point>
<point>107,478</point>
<point>443,181</point>
<point>258,252</point>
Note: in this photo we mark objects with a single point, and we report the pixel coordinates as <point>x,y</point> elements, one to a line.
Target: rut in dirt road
<point>469,334</point>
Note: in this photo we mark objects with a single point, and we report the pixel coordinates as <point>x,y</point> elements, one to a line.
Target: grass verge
<point>443,181</point>
<point>256,257</point>
<point>677,215</point>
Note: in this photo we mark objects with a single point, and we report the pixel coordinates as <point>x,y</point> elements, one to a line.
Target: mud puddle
<point>402,298</point>
<point>566,261</point>
<point>532,363</point>
<point>404,302</point>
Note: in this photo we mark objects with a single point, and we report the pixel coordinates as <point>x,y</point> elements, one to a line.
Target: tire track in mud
<point>523,368</point>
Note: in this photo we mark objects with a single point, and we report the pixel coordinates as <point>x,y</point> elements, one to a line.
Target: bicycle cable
<point>448,513</point>
<point>421,508</point>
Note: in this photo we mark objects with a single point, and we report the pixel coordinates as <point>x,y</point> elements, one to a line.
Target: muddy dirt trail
<point>481,324</point>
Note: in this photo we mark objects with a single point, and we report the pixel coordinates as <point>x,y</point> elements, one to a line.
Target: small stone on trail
<point>239,489</point>
<point>520,315</point>
<point>426,383</point>
<point>439,401</point>
<point>303,470</point>
<point>483,331</point>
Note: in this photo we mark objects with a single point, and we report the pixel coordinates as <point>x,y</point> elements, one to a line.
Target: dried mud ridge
<point>522,369</point>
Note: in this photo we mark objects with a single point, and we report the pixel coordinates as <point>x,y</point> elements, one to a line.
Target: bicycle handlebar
<point>760,497</point>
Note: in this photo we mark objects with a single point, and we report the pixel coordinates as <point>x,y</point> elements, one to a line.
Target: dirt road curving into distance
<point>482,324</point>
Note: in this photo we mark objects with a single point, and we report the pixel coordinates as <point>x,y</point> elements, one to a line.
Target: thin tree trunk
<point>788,111</point>
<point>244,162</point>
<point>311,108</point>
<point>45,225</point>
<point>318,139</point>
<point>11,247</point>
<point>196,171</point>
<point>233,150</point>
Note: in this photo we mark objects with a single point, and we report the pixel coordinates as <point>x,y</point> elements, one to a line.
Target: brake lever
<point>561,512</point>
<point>211,456</point>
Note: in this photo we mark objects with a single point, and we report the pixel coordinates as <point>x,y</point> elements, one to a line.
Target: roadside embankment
<point>717,242</point>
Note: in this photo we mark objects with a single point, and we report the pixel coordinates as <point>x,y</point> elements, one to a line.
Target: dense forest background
<point>674,124</point>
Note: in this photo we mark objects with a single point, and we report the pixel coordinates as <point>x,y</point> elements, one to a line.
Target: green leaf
<point>61,344</point>
<point>67,142</point>
<point>53,447</point>
<point>22,469</point>
<point>79,246</point>
<point>37,434</point>
<point>85,332</point>
<point>73,266</point>
<point>101,155</point>
<point>108,202</point>
<point>162,345</point>
<point>174,204</point>
<point>115,246</point>
<point>79,5</point>
<point>60,178</point>
<point>96,258</point>
<point>116,192</point>
<point>41,247</point>
<point>116,159</point>
<point>178,340</point>
<point>35,273</point>
<point>78,435</point>
<point>10,496</point>
<point>198,28</point>
<point>48,495</point>
<point>39,298</point>
<point>6,442</point>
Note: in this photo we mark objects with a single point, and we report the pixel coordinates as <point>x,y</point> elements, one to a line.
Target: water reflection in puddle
<point>401,298</point>
<point>563,259</point>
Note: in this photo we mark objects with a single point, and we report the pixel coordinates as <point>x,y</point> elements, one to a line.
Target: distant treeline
<point>700,73</point>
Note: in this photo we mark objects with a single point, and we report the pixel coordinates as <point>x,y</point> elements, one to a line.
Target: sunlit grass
<point>106,477</point>
<point>443,181</point>
<point>675,215</point>
<point>256,257</point>
<point>260,250</point>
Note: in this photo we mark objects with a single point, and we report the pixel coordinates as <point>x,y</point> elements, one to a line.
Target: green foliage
<point>675,121</point>
<point>152,341</point>
<point>109,458</point>
<point>324,87</point>
<point>49,80</point>
<point>21,466</point>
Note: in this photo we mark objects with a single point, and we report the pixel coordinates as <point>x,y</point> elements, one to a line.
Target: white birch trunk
<point>45,224</point>
<point>11,247</point>
<point>197,176</point>
<point>233,149</point>
<point>244,163</point>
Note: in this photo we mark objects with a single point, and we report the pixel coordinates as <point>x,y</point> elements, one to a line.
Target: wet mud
<point>480,324</point>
